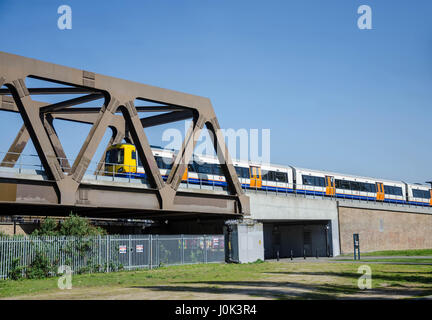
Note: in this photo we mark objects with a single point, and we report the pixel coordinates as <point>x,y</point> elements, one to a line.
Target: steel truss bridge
<point>123,109</point>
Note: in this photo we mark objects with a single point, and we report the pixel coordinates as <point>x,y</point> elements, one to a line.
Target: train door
<point>255,177</point>
<point>185,174</point>
<point>330,186</point>
<point>380,191</point>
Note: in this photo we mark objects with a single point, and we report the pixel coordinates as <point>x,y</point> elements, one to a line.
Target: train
<point>122,160</point>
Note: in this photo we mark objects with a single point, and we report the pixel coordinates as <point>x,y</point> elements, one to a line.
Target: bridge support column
<point>244,241</point>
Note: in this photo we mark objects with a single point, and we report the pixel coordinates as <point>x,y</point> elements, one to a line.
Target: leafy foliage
<point>78,226</point>
<point>40,267</point>
<point>48,228</point>
<point>16,272</point>
<point>74,225</point>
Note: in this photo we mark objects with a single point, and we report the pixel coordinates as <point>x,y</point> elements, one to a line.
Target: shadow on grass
<point>396,277</point>
<point>288,290</point>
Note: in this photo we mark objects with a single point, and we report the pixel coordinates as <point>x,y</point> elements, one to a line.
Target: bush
<point>40,267</point>
<point>16,271</point>
<point>48,228</point>
<point>79,226</point>
<point>74,225</point>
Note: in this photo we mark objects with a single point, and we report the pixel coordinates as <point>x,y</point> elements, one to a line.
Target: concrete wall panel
<point>384,230</point>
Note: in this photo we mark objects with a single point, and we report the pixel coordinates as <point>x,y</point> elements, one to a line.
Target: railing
<point>111,253</point>
<point>102,171</point>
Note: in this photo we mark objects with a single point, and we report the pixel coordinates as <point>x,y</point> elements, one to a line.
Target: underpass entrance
<point>299,238</point>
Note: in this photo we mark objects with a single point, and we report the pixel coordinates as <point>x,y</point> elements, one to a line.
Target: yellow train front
<point>121,160</point>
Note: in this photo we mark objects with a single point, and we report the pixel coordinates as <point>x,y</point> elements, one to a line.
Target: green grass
<point>267,279</point>
<point>416,252</point>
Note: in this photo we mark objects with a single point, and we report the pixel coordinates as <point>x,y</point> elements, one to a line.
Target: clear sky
<point>335,97</point>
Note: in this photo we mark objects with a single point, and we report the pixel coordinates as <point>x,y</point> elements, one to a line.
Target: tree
<point>74,225</point>
<point>48,228</point>
<point>79,226</point>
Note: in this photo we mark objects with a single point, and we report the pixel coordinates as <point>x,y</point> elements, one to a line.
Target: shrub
<point>74,225</point>
<point>79,226</point>
<point>16,271</point>
<point>40,267</point>
<point>48,228</point>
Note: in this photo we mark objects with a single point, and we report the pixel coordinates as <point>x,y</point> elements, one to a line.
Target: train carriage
<point>419,195</point>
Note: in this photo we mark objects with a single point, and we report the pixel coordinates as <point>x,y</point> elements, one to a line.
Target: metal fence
<point>111,253</point>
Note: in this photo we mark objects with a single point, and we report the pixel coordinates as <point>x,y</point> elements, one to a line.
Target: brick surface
<point>400,231</point>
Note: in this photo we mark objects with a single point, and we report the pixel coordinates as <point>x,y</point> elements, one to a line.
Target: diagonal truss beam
<point>166,118</point>
<point>72,102</point>
<point>16,148</point>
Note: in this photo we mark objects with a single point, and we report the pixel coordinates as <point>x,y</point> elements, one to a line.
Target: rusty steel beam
<point>119,97</point>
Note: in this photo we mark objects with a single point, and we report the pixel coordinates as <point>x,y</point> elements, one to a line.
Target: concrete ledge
<point>383,206</point>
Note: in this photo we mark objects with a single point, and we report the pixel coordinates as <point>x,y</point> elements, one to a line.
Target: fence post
<point>130,252</point>
<point>151,252</point>
<point>157,251</point>
<point>108,242</point>
<point>182,249</point>
<point>205,249</point>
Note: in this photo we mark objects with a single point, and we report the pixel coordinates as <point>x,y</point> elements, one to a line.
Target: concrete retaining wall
<point>269,208</point>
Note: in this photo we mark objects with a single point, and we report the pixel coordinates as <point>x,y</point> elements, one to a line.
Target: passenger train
<point>122,160</point>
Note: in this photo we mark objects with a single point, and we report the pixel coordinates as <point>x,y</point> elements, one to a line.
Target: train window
<point>114,156</point>
<point>369,187</point>
<point>245,173</point>
<point>242,172</point>
<point>362,187</point>
<point>271,176</point>
<point>239,171</point>
<point>311,180</point>
<point>163,162</point>
<point>281,177</point>
<point>421,194</point>
<point>396,191</point>
<point>191,167</point>
<point>204,168</point>
<point>308,180</point>
<point>355,185</point>
<point>133,155</point>
<point>264,175</point>
<point>342,184</point>
<point>217,169</point>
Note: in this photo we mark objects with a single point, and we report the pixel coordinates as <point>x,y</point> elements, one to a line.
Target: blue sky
<point>335,97</point>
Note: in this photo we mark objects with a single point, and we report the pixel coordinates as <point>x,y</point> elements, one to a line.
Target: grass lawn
<point>417,252</point>
<point>268,280</point>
